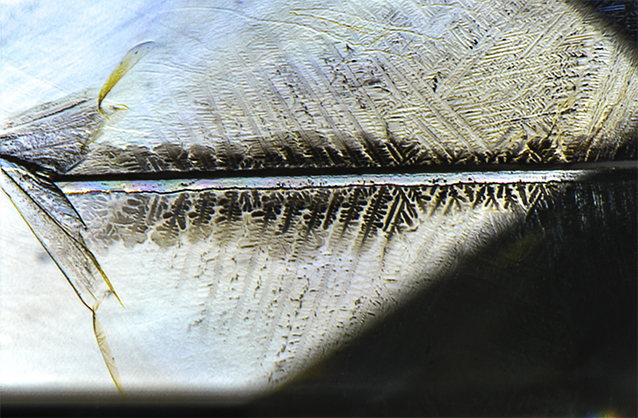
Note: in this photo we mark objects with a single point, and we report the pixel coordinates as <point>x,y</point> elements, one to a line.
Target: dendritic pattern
<point>375,84</point>
<point>359,211</point>
<point>282,275</point>
<point>371,84</point>
<point>244,286</point>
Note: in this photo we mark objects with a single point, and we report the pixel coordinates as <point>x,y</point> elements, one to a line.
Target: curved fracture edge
<point>132,57</point>
<point>59,229</point>
<point>106,352</point>
<point>65,247</point>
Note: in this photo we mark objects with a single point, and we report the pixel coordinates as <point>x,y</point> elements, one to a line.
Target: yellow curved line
<point>132,57</point>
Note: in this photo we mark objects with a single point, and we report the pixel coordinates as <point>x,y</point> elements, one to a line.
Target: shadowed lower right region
<point>541,322</point>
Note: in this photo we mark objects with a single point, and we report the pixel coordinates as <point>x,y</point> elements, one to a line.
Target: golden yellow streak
<point>107,354</point>
<point>131,58</point>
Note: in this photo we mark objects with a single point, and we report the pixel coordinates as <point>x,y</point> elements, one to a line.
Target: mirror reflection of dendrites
<point>297,85</point>
<point>246,286</point>
<point>527,324</point>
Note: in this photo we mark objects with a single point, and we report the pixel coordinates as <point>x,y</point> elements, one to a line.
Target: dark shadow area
<point>620,15</point>
<point>542,322</point>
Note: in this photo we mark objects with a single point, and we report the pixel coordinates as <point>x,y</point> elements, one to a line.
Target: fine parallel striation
<point>269,281</point>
